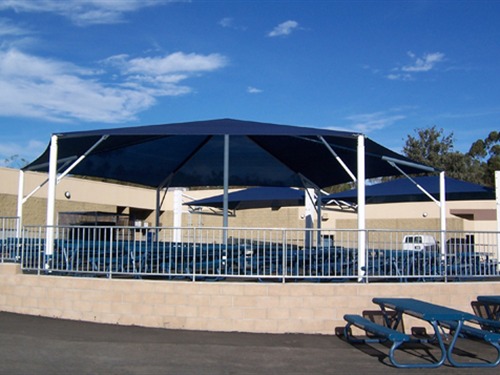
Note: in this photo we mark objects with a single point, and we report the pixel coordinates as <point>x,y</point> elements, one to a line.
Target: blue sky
<point>384,68</point>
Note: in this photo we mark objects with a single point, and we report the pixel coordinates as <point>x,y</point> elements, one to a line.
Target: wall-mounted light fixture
<point>67,194</point>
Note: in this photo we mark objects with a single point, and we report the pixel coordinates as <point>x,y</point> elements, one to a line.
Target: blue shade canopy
<point>258,197</point>
<point>403,190</point>
<point>192,153</point>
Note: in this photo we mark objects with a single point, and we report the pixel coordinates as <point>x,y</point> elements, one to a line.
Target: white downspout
<point>361,209</point>
<point>309,218</point>
<point>51,197</point>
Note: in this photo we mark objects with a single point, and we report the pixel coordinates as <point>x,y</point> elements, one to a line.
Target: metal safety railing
<point>9,239</point>
<point>260,254</point>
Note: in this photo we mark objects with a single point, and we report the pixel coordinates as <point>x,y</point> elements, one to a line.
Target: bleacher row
<point>178,260</point>
<point>10,249</point>
<point>429,264</point>
<point>257,260</point>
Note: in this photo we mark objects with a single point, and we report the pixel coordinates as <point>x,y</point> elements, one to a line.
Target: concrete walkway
<point>35,345</point>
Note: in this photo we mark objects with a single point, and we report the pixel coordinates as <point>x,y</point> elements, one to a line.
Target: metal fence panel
<point>9,239</point>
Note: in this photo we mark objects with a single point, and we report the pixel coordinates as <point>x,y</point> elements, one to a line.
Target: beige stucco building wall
<point>421,216</point>
<point>88,195</point>
<point>85,195</point>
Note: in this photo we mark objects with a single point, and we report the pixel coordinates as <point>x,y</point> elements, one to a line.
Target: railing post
<point>40,264</point>
<point>111,248</point>
<point>284,258</point>
<point>194,262</point>
<point>193,255</point>
<point>366,234</point>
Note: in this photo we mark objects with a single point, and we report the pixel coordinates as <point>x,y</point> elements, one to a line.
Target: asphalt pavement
<point>35,345</point>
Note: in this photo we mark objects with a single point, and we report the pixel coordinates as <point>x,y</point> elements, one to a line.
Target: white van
<point>419,242</point>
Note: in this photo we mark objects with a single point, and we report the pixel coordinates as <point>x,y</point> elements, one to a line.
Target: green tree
<point>486,152</point>
<point>432,147</point>
<point>429,147</point>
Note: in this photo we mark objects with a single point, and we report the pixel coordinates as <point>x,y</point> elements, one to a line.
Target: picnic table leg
<point>441,360</point>
<point>455,363</point>
<point>439,338</point>
<point>392,321</point>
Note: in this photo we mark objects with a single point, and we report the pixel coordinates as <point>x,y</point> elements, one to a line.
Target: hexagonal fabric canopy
<point>192,154</point>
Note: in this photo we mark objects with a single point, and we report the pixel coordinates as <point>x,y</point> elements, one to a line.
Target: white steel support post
<point>20,197</point>
<point>225,203</point>
<point>442,209</point>
<point>51,197</point>
<point>317,204</point>
<point>497,190</point>
<point>361,209</point>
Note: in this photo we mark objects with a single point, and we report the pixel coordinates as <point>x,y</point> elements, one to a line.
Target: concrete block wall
<point>217,306</point>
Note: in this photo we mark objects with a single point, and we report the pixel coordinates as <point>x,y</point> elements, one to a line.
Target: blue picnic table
<point>440,318</point>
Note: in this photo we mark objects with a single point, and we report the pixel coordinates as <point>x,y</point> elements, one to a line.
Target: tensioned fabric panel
<point>403,190</point>
<point>258,197</point>
<point>191,154</point>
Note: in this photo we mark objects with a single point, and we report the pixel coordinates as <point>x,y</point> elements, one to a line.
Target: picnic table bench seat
<point>382,334</point>
<point>375,328</point>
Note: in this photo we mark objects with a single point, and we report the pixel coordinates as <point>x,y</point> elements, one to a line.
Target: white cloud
<point>59,91</point>
<point>7,28</point>
<point>12,35</point>
<point>368,122</point>
<point>51,90</point>
<point>227,22</point>
<point>173,63</point>
<point>400,77</point>
<point>253,90</point>
<point>84,12</point>
<point>423,64</point>
<point>161,75</point>
<point>285,28</point>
